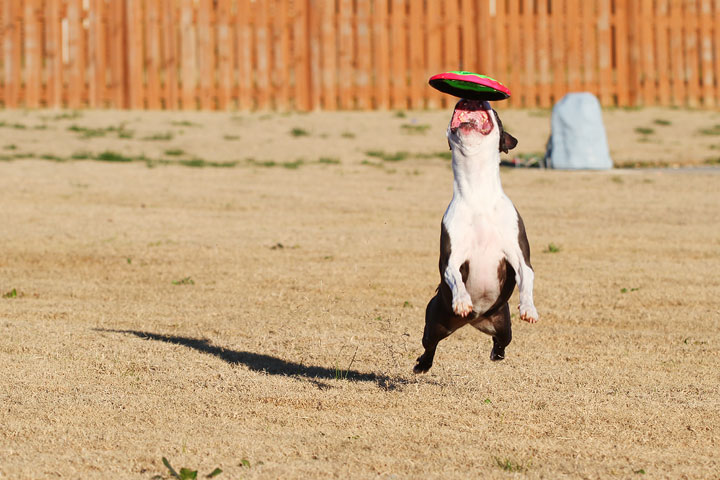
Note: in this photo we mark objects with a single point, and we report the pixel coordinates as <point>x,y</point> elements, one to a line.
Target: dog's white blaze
<point>482,224</point>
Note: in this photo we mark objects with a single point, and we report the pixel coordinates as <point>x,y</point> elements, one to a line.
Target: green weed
<point>110,156</point>
<point>184,281</point>
<point>662,121</point>
<point>400,114</point>
<point>715,130</point>
<point>341,374</point>
<point>294,165</point>
<point>299,132</point>
<point>184,123</point>
<point>387,157</point>
<point>552,248</point>
<point>231,137</point>
<point>10,147</point>
<point>175,152</point>
<point>329,160</point>
<point>414,129</point>
<point>347,135</point>
<point>160,136</point>
<point>644,130</point>
<point>185,473</point>
<point>625,290</point>
<point>510,465</point>
<point>11,294</point>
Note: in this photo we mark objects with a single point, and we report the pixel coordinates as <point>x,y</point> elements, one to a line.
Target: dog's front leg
<point>524,277</point>
<point>461,301</point>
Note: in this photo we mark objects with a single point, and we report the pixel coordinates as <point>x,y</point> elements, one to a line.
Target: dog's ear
<point>507,141</point>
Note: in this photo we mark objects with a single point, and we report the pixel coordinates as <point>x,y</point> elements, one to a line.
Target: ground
<point>262,311</point>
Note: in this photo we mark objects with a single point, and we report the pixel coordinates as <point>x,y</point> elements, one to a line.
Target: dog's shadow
<point>266,363</point>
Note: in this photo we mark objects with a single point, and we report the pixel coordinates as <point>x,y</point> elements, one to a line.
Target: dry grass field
<point>247,292</point>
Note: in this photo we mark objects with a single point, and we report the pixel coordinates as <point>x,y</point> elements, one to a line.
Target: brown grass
<point>297,358</point>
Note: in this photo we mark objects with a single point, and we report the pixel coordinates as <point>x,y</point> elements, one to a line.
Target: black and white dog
<point>484,250</point>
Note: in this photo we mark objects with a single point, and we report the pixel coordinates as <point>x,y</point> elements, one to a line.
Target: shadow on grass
<point>267,363</point>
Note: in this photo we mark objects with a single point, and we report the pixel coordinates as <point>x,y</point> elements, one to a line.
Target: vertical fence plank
<point>691,51</point>
<point>170,54</point>
<point>281,69</point>
<point>301,55</point>
<point>527,44</point>
<point>329,52</point>
<point>54,54</point>
<point>634,53</point>
<point>468,33</point>
<point>117,40</point>
<point>315,34</point>
<point>716,49</point>
<point>573,42</point>
<point>381,55</point>
<point>225,54</point>
<point>244,53</point>
<point>135,55</point>
<point>398,61</point>
<point>206,54</point>
<point>679,88</point>
<point>647,52</point>
<point>33,60</point>
<point>589,46</point>
<point>543,54</point>
<point>604,53</point>
<point>152,53</point>
<point>12,48</point>
<point>345,55</point>
<point>434,49</point>
<point>364,55</point>
<point>417,57</point>
<point>500,34</point>
<point>76,52</point>
<point>622,53</point>
<point>451,24</point>
<point>516,64</point>
<point>187,57</point>
<point>559,59</point>
<point>662,60</point>
<point>484,38</point>
<point>97,53</point>
<point>706,54</point>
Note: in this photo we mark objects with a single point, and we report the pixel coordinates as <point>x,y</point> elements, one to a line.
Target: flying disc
<point>472,86</point>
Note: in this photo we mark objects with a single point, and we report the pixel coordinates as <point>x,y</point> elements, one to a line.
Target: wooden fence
<point>353,54</point>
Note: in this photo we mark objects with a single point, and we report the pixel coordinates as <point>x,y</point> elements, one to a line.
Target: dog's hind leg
<point>503,333</point>
<point>439,324</point>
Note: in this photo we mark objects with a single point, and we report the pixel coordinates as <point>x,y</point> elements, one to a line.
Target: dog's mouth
<point>471,116</point>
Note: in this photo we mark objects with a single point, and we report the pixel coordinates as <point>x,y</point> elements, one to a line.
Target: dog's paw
<point>422,365</point>
<point>528,313</point>
<point>462,305</point>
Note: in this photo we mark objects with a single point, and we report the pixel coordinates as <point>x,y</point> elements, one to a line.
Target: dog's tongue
<point>471,115</point>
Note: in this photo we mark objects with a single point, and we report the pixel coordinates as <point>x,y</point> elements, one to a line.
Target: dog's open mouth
<point>471,116</point>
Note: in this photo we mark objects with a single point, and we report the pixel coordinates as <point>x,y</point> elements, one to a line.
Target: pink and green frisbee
<point>472,86</point>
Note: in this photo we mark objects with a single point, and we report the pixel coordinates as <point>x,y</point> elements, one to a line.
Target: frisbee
<point>472,86</point>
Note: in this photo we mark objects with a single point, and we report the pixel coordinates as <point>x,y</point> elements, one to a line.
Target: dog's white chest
<point>484,255</point>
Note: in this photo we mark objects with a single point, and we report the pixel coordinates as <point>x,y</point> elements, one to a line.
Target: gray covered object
<point>578,139</point>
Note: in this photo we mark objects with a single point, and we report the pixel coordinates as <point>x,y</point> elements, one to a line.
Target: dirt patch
<point>265,319</point>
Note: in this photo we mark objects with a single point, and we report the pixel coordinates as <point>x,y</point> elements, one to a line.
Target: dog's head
<point>474,124</point>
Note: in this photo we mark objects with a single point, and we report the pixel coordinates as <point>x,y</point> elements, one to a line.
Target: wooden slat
<point>468,35</point>
<point>301,55</point>
<point>76,54</point>
<point>451,25</point>
<point>398,59</point>
<point>515,55</point>
<point>543,54</point>
<point>716,45</point>
<point>243,25</point>
<point>484,38</point>
<point>135,54</point>
<point>225,46</point>
<point>170,54</point>
<point>500,31</point>
<point>690,24</point>
<point>187,56</point>
<point>281,46</point>
<point>54,54</point>
<point>604,53</point>
<point>153,60</point>
<point>116,42</point>
<point>417,58</point>
<point>11,46</point>
<point>647,52</point>
<point>364,56</point>
<point>346,54</point>
<point>706,54</point>
<point>381,55</point>
<point>329,53</point>
<point>574,39</point>
<point>206,54</point>
<point>622,53</point>
<point>558,45</point>
<point>33,60</point>
<point>97,53</point>
<point>527,44</point>
<point>677,53</point>
<point>315,33</point>
<point>589,46</point>
<point>663,59</point>
<point>634,54</point>
<point>434,50</point>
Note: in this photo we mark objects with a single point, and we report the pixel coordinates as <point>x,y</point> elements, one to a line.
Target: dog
<point>484,250</point>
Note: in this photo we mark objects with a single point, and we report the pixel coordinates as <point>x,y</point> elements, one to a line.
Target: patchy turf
<point>265,321</point>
